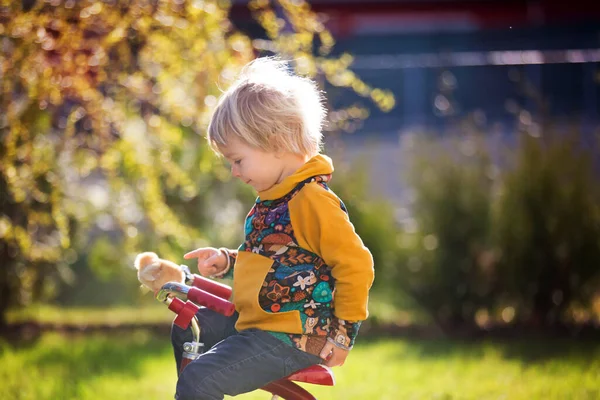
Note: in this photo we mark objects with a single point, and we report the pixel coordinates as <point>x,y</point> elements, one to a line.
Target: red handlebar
<point>211,301</point>
<point>210,286</point>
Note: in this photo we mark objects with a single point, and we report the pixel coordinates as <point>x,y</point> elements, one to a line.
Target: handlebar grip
<point>185,312</point>
<point>211,301</point>
<point>212,287</point>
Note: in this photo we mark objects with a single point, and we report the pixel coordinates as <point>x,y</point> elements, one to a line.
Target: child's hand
<point>334,356</point>
<point>211,261</point>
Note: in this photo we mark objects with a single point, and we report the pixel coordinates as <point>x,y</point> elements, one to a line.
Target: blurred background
<point>465,136</point>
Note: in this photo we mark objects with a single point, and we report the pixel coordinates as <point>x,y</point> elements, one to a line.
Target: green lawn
<point>139,366</point>
<point>148,312</point>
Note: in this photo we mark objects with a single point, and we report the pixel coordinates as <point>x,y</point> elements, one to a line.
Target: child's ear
<point>279,154</point>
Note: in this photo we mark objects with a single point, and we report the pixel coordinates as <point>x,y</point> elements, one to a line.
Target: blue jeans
<point>234,362</point>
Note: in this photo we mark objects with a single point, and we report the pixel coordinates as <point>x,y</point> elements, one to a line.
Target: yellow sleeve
<point>323,227</point>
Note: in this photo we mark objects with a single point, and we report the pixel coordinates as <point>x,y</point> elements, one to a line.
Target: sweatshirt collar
<point>318,165</point>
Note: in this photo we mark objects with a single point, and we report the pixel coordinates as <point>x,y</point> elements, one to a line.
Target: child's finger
<point>334,362</point>
<point>193,254</point>
<point>326,351</point>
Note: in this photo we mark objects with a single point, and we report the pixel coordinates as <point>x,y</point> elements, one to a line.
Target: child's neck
<point>293,164</point>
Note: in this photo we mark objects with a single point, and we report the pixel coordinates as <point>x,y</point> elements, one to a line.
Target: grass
<point>139,366</point>
<point>148,312</point>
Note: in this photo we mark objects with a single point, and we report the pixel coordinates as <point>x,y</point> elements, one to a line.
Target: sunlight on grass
<point>140,366</point>
<point>149,312</point>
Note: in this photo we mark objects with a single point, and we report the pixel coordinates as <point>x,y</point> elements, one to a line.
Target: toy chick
<point>154,272</point>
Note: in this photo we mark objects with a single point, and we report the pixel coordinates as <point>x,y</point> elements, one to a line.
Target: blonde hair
<point>270,108</point>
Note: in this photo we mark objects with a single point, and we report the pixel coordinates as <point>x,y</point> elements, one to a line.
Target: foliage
<point>509,239</point>
<point>444,245</point>
<point>373,218</point>
<point>103,103</point>
<point>548,228</point>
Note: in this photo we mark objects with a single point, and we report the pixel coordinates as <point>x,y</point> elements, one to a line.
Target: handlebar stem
<point>196,334</point>
<point>189,277</point>
<point>179,290</point>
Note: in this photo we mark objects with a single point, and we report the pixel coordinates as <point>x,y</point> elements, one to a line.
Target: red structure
<point>352,17</point>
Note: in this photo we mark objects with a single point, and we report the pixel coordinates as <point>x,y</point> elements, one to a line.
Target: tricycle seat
<point>315,374</point>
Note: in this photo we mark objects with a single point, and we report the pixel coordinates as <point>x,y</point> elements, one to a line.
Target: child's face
<point>255,167</point>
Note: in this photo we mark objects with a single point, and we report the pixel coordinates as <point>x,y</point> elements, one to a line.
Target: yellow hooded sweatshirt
<point>302,273</point>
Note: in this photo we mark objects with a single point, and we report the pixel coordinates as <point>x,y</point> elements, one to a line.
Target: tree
<point>103,106</point>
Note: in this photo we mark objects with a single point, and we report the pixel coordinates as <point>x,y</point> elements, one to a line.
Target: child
<point>302,276</point>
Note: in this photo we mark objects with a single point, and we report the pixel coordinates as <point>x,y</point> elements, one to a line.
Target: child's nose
<point>235,171</point>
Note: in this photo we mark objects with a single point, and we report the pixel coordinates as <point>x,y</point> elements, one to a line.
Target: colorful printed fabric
<point>298,279</point>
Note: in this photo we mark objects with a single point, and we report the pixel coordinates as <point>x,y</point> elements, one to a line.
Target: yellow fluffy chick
<point>153,272</point>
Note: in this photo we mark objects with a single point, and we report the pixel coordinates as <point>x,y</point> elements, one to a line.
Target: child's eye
<point>237,162</point>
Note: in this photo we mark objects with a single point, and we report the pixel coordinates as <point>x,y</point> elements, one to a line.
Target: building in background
<point>447,58</point>
<point>507,62</point>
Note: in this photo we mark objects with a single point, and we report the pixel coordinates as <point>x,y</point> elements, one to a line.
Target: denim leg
<point>241,363</point>
<point>214,327</point>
